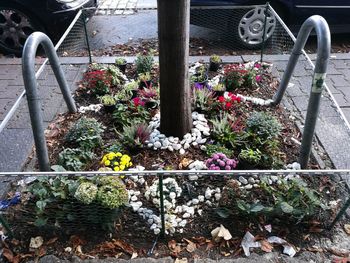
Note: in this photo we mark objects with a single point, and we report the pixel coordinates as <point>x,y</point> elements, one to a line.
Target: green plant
<point>126,92</point>
<point>61,200</point>
<point>116,75</point>
<point>120,61</point>
<point>108,100</point>
<point>203,99</point>
<point>144,77</point>
<point>289,200</point>
<point>144,63</point>
<point>215,59</point>
<point>264,125</point>
<point>219,87</point>
<point>217,148</point>
<point>223,133</point>
<point>85,133</point>
<point>250,156</point>
<point>75,159</point>
<point>238,76</point>
<point>135,135</point>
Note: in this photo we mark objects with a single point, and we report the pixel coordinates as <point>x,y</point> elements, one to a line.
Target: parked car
<point>20,18</point>
<point>246,23</point>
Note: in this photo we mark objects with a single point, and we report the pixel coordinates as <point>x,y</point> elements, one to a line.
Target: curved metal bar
<point>30,84</point>
<point>323,53</point>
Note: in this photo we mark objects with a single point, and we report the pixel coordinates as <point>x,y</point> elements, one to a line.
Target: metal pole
<point>30,83</point>
<point>323,52</point>
<point>162,213</point>
<point>264,33</point>
<point>87,38</point>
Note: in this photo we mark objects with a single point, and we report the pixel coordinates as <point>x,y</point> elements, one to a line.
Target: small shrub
<point>135,135</point>
<point>264,125</point>
<point>86,133</point>
<point>97,82</point>
<point>236,76</point>
<point>120,61</point>
<point>219,161</point>
<point>203,99</point>
<point>144,63</point>
<point>250,156</point>
<point>74,159</point>
<point>215,59</point>
<point>108,100</point>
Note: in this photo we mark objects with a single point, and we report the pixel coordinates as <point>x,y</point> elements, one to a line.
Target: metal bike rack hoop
<point>31,86</point>
<point>323,53</point>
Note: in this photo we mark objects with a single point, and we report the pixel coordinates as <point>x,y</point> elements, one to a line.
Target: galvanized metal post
<point>323,52</point>
<point>30,84</point>
<point>86,37</point>
<point>162,212</point>
<point>264,33</point>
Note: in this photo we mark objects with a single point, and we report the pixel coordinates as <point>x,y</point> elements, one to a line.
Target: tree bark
<point>173,35</point>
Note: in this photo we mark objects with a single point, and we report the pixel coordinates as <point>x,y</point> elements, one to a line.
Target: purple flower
<point>258,78</point>
<point>198,86</point>
<point>221,163</point>
<point>227,167</point>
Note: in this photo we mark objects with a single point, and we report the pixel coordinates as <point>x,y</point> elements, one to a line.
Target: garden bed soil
<point>131,235</point>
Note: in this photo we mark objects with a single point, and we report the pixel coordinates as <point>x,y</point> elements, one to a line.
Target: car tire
<point>249,27</point>
<point>15,27</point>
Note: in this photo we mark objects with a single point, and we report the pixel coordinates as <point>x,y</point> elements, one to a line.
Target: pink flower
<point>138,102</point>
<point>258,78</point>
<point>257,65</point>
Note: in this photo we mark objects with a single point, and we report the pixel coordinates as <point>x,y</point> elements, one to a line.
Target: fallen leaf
<point>36,242</point>
<point>124,246</point>
<point>219,233</point>
<point>78,250</point>
<point>184,163</point>
<point>315,229</point>
<point>266,246</point>
<point>76,241</point>
<point>338,252</point>
<point>134,255</point>
<point>174,247</point>
<point>51,241</point>
<point>183,260</point>
<point>7,254</point>
<point>347,228</point>
<point>41,252</point>
<point>190,246</point>
<point>209,246</point>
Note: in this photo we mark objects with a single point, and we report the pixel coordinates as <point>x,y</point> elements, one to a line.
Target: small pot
<point>151,105</point>
<point>203,82</point>
<point>213,66</point>
<point>218,93</point>
<point>145,84</point>
<point>109,108</point>
<point>122,67</point>
<point>134,93</point>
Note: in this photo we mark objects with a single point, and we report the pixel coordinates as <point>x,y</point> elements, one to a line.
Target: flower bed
<point>232,129</point>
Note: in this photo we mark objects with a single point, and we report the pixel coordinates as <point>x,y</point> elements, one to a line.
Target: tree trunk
<point>173,35</point>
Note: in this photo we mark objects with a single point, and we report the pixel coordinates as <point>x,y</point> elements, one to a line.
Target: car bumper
<point>89,5</point>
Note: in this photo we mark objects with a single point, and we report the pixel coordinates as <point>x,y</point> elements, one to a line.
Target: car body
<point>19,18</point>
<point>293,12</point>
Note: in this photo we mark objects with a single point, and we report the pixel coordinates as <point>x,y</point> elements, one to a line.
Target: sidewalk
<point>124,7</point>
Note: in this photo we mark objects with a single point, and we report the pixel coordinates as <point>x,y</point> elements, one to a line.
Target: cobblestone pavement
<point>124,7</point>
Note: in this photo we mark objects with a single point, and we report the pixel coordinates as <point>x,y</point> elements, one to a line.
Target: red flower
<point>228,105</point>
<point>221,99</point>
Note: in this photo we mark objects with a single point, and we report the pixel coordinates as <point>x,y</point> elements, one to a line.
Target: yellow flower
<point>116,168</point>
<point>118,154</point>
<point>115,163</point>
<point>104,159</point>
<point>107,162</point>
<point>130,164</point>
<point>122,167</point>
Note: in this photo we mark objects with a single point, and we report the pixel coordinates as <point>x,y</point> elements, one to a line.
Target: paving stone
<point>341,100</point>
<point>339,64</point>
<point>339,81</point>
<point>15,147</point>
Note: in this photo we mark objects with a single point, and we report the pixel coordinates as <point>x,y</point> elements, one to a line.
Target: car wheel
<point>250,27</point>
<point>15,27</point>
